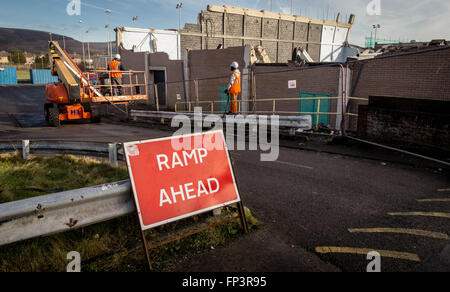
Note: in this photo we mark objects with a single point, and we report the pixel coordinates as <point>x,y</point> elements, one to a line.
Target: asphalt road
<point>320,211</point>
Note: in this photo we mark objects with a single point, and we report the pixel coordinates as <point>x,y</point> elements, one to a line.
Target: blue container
<point>8,76</point>
<point>42,76</point>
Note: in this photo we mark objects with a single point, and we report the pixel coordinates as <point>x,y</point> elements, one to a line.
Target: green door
<point>224,98</point>
<point>314,105</point>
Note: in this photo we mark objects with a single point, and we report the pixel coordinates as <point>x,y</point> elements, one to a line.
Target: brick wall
<point>423,75</point>
<point>275,85</point>
<point>212,69</point>
<point>422,122</point>
<point>174,74</point>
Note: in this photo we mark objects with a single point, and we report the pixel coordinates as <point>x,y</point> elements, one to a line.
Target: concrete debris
<point>302,56</point>
<point>259,55</point>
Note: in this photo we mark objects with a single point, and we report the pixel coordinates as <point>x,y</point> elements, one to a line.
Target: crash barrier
<point>69,210</point>
<point>316,104</point>
<point>60,212</point>
<point>292,122</point>
<point>113,151</point>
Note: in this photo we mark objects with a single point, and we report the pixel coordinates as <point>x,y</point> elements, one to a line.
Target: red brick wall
<point>422,122</point>
<point>174,71</point>
<point>275,85</point>
<point>423,75</point>
<point>212,69</point>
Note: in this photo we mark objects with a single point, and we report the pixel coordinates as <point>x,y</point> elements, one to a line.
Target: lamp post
<point>108,12</point>
<point>135,18</point>
<point>64,38</point>
<point>179,6</point>
<point>82,42</point>
<point>376,27</point>
<point>89,49</point>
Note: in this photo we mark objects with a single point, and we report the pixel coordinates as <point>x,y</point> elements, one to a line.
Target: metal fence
<point>60,212</point>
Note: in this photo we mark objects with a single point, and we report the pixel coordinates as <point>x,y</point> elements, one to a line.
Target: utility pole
<point>82,42</point>
<point>179,6</point>
<point>64,38</point>
<point>376,27</point>
<point>89,48</point>
<point>108,12</point>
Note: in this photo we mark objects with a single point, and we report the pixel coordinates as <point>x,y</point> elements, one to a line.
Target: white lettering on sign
<point>188,191</point>
<point>181,160</point>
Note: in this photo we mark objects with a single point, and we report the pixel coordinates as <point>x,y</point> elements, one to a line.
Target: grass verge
<point>110,246</point>
<point>21,179</point>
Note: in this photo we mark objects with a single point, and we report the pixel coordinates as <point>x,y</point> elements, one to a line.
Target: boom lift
<point>76,96</point>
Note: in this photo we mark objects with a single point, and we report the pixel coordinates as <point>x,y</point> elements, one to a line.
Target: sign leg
<point>242,216</point>
<point>147,251</point>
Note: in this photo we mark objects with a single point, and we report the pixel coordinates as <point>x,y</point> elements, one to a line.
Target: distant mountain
<point>36,42</point>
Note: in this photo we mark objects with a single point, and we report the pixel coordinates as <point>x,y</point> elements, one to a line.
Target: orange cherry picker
<point>75,97</point>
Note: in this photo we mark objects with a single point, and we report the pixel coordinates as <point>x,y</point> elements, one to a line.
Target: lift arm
<point>60,62</point>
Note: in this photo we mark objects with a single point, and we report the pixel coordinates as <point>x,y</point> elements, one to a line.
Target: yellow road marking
<point>434,200</point>
<point>365,251</point>
<point>444,190</point>
<point>429,214</point>
<point>417,232</point>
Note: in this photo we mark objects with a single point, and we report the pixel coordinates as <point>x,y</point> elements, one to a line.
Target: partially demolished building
<point>373,94</point>
<point>279,34</point>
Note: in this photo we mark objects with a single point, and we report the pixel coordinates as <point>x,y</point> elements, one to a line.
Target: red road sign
<point>170,183</point>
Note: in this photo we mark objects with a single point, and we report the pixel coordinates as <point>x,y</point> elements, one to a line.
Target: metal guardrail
<point>317,111</point>
<point>294,122</point>
<point>60,212</point>
<point>97,149</point>
<point>274,111</point>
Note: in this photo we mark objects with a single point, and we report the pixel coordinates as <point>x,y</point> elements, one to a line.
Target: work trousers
<point>116,88</point>
<point>234,104</point>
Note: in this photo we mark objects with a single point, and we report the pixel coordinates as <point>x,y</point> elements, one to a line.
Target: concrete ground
<point>322,208</point>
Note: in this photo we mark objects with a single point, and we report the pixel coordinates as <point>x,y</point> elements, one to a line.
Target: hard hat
<point>117,56</point>
<point>235,65</point>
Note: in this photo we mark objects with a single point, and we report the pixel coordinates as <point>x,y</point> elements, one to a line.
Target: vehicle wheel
<point>53,117</point>
<point>47,106</point>
<point>95,113</point>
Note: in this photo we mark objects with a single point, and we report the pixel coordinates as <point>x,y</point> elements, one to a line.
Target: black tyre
<point>53,117</point>
<point>47,106</point>
<point>95,112</point>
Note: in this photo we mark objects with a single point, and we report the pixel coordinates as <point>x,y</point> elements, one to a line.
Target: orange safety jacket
<point>236,86</point>
<point>114,66</point>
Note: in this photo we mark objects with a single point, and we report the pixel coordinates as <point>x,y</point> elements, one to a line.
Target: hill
<point>36,42</point>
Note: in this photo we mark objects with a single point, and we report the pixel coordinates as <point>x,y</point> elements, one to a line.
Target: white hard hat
<point>235,65</point>
<point>117,56</point>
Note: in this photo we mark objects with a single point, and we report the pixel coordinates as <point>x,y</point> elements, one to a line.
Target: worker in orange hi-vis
<point>234,87</point>
<point>116,67</point>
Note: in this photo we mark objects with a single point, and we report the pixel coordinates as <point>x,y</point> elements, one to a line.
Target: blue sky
<point>399,19</point>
